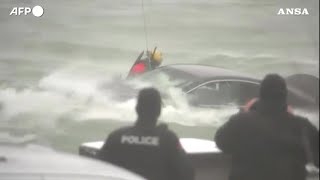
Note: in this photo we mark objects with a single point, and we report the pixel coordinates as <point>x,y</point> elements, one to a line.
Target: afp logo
<point>37,11</point>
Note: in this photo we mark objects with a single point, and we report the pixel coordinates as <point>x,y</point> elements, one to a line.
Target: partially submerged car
<point>213,87</point>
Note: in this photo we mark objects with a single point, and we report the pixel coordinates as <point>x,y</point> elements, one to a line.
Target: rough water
<point>52,68</point>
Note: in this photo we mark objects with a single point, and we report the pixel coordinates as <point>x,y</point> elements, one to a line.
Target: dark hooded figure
<point>268,142</point>
<point>152,151</point>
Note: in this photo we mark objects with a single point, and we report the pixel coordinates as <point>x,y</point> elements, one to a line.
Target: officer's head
<point>148,105</point>
<point>273,90</point>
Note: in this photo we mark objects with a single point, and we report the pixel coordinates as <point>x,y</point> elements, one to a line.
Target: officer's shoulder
<point>164,129</point>
<point>300,119</point>
<point>243,116</point>
<point>120,131</point>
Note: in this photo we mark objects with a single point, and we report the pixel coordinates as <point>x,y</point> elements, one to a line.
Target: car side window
<point>212,94</point>
<point>242,92</point>
<point>223,93</point>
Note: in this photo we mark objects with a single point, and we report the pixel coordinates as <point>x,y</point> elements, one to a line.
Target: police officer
<point>269,142</point>
<point>145,148</point>
<point>152,61</point>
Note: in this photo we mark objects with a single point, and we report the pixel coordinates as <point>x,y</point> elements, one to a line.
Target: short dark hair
<point>273,88</point>
<point>149,103</point>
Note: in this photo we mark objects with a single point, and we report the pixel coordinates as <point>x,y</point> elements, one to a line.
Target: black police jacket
<point>266,145</point>
<point>152,152</point>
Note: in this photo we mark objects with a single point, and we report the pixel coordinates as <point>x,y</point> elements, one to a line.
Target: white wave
<point>75,93</point>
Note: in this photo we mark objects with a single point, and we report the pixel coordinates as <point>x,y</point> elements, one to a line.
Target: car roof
<point>204,72</point>
<point>42,161</point>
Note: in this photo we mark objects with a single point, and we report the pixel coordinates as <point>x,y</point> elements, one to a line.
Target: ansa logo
<point>293,11</point>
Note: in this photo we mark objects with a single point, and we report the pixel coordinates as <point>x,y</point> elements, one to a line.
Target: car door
<point>223,93</point>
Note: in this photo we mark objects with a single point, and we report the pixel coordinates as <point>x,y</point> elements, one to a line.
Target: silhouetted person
<point>268,142</point>
<point>145,148</point>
